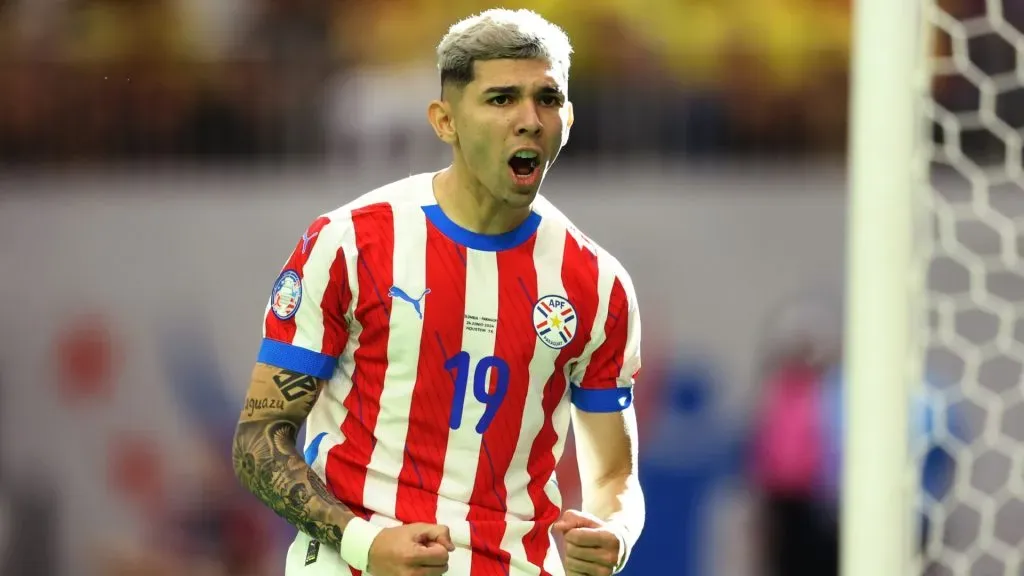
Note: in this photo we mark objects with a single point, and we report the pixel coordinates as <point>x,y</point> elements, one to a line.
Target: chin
<point>521,196</point>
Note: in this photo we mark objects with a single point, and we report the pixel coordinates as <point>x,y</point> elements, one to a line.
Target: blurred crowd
<point>88,80</point>
<point>273,80</point>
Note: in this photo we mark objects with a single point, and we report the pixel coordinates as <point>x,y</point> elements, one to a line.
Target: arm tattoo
<point>319,487</point>
<point>254,406</point>
<point>268,462</point>
<point>294,385</point>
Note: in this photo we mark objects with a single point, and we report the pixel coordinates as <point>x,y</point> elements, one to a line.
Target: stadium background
<point>159,157</point>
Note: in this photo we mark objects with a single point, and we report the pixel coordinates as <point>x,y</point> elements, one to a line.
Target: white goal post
<point>935,291</point>
<point>875,517</point>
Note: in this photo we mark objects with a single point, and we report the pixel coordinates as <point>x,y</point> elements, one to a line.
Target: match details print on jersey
<point>452,359</point>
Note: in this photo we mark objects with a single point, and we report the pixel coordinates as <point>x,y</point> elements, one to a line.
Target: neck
<point>466,201</point>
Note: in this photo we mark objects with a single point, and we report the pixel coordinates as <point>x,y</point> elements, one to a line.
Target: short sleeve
<point>304,327</point>
<point>603,382</point>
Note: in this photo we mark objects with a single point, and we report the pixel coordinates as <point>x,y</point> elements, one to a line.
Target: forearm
<point>617,499</point>
<point>267,460</point>
<point>269,465</point>
<point>607,455</point>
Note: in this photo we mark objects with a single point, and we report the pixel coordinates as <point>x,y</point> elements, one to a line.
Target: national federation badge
<point>287,295</point>
<point>554,319</point>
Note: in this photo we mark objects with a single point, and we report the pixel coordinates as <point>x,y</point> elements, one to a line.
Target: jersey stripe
<point>337,298</point>
<point>406,291</point>
<point>581,271</point>
<point>330,409</point>
<point>334,306</point>
<point>529,555</point>
<point>319,308</point>
<point>506,393</point>
<point>432,395</point>
<point>347,462</point>
<point>284,330</point>
<point>579,278</point>
<point>464,441</point>
<point>599,384</point>
<point>602,291</point>
<point>606,361</point>
<point>593,283</point>
<point>631,357</point>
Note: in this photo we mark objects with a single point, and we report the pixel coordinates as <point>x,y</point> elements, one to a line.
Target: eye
<point>552,101</point>
<point>501,100</point>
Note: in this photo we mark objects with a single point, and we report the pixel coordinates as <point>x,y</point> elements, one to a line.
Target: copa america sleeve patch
<point>287,295</point>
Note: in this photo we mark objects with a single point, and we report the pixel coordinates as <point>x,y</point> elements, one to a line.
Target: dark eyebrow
<point>505,90</point>
<point>516,91</point>
<point>552,91</point>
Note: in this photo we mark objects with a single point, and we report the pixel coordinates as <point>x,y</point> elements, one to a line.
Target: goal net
<point>969,250</point>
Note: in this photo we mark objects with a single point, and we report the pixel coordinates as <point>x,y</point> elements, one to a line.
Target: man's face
<point>510,121</point>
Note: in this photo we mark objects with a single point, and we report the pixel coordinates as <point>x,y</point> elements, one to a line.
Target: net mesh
<point>970,422</point>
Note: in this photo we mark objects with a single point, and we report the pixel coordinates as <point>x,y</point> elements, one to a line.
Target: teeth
<point>528,154</point>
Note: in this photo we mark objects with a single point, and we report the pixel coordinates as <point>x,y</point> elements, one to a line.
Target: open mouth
<point>524,165</point>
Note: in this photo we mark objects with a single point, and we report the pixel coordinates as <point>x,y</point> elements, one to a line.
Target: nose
<point>528,123</point>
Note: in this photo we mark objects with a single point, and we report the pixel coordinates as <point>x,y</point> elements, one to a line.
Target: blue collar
<point>482,242</point>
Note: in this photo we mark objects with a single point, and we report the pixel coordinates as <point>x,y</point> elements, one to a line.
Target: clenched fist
<point>411,550</point>
<point>591,548</point>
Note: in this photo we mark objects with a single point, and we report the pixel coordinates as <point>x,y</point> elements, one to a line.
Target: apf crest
<point>554,319</point>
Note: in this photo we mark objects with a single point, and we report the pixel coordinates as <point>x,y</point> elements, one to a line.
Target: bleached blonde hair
<point>499,34</point>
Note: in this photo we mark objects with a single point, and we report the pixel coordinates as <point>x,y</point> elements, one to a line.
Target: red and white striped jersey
<point>452,358</point>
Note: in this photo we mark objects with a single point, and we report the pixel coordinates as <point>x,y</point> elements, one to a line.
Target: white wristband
<point>621,534</point>
<point>356,541</point>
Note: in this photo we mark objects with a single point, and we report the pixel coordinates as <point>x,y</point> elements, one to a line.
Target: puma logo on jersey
<point>396,292</point>
<point>306,239</point>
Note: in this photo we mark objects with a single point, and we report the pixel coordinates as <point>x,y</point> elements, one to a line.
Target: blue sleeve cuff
<point>601,399</point>
<point>297,359</point>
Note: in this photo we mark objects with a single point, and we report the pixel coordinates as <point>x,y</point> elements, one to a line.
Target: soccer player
<point>438,335</point>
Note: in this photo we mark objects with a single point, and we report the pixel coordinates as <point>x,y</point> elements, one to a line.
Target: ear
<point>570,117</point>
<point>442,120</point>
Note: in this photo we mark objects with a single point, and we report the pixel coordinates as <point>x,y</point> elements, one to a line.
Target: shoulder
<point>414,190</point>
<point>373,208</point>
<point>607,264</point>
